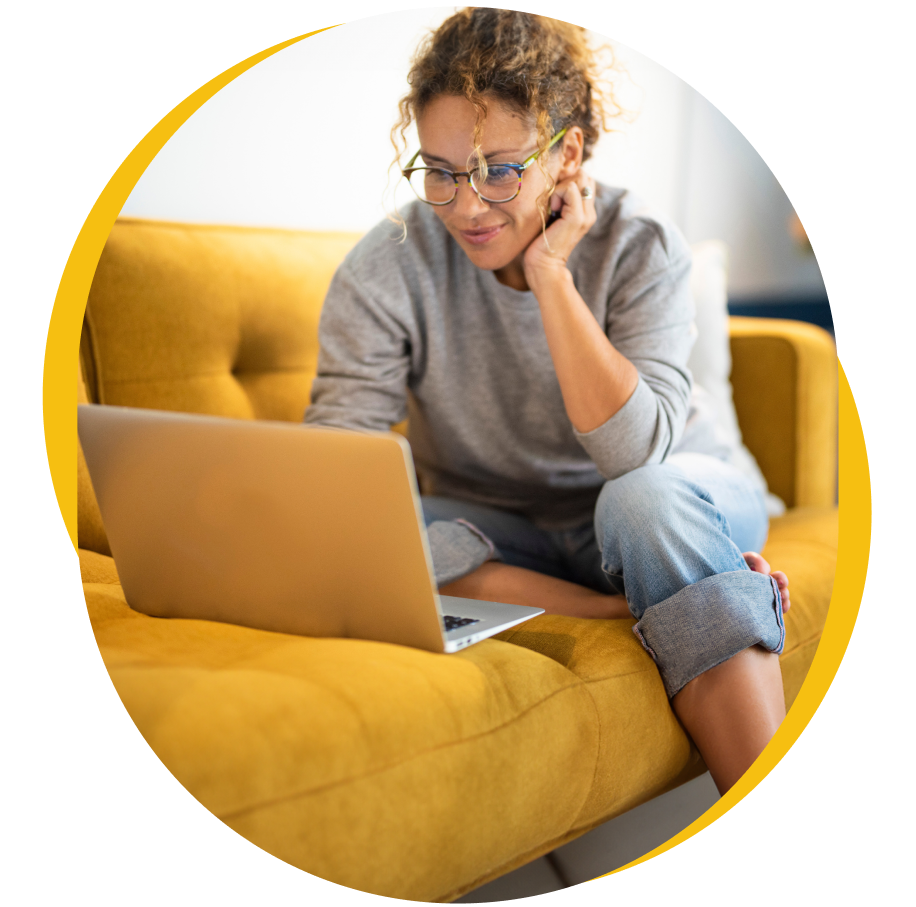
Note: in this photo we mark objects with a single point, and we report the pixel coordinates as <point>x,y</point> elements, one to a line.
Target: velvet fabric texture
<point>379,767</point>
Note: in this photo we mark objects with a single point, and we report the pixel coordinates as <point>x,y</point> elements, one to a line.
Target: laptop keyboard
<point>453,623</point>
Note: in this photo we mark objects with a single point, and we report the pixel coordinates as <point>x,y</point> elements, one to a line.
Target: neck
<point>513,275</point>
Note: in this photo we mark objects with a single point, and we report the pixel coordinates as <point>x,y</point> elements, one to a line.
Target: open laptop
<point>278,526</point>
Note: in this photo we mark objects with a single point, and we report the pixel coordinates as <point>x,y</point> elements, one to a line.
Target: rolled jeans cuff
<point>708,622</point>
<point>458,548</point>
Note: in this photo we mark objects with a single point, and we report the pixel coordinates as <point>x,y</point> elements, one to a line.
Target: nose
<point>467,202</point>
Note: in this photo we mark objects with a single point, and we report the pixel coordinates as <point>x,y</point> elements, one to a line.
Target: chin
<point>487,259</point>
<point>488,262</point>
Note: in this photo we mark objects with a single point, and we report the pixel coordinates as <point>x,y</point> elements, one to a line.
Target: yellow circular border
<point>60,394</point>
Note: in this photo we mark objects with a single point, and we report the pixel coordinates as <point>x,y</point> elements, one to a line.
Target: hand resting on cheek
<point>550,249</point>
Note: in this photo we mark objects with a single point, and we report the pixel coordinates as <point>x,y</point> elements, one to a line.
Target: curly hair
<point>542,67</point>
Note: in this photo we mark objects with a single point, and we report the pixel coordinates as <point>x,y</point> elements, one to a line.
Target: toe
<point>756,562</point>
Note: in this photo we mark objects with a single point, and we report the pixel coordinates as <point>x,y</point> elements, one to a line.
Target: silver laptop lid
<point>272,525</point>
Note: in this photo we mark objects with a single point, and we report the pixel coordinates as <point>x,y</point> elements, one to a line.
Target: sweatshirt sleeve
<point>363,360</point>
<point>650,322</point>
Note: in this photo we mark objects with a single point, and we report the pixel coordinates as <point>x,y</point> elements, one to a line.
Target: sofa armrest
<point>784,378</point>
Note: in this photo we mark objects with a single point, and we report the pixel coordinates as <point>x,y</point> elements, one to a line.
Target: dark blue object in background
<point>813,309</point>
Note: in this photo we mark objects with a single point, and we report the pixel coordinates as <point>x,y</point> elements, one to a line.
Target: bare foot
<point>759,565</point>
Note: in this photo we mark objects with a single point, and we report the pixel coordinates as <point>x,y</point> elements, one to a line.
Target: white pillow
<point>711,361</point>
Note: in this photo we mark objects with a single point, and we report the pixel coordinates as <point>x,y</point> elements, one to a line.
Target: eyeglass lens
<point>438,186</point>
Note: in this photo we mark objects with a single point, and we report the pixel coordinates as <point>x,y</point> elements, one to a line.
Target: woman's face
<point>493,236</point>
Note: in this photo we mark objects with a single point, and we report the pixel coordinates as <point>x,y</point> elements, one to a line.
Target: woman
<point>535,327</point>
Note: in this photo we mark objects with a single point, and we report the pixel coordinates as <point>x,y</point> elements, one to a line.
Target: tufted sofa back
<point>208,319</point>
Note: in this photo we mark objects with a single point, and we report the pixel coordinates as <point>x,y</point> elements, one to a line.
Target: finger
<point>568,202</point>
<point>572,194</point>
<point>583,208</point>
<point>557,200</point>
<point>586,183</point>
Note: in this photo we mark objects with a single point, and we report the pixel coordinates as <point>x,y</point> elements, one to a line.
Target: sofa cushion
<point>97,568</point>
<point>209,319</point>
<point>386,768</point>
<point>365,763</point>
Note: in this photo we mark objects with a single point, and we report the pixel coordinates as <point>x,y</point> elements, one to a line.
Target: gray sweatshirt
<point>415,329</point>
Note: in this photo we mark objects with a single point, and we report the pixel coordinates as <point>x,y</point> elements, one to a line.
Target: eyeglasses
<point>438,186</point>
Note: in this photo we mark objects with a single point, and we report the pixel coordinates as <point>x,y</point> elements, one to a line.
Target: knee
<point>638,497</point>
<point>655,509</point>
<point>655,496</point>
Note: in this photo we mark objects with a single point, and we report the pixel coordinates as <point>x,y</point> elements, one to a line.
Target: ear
<point>570,153</point>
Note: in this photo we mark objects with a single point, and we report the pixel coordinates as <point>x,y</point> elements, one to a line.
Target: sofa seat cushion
<point>385,768</point>
<point>414,775</point>
<point>643,750</point>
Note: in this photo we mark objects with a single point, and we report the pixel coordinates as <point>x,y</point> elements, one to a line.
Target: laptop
<point>274,525</point>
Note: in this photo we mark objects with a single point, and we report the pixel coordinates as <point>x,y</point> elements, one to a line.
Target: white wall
<point>301,140</point>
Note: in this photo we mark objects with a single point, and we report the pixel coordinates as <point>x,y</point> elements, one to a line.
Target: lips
<point>481,235</point>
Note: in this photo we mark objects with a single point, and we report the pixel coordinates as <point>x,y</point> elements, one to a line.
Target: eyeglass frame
<point>518,168</point>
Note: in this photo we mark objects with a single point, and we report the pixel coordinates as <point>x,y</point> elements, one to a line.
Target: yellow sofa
<point>384,768</point>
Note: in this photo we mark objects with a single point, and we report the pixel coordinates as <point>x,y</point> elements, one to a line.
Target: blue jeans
<point>669,537</point>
